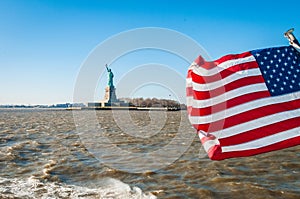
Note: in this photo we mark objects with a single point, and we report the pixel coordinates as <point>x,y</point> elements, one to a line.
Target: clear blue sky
<point>44,43</point>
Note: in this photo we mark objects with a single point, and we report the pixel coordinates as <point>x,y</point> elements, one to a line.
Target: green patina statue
<point>110,77</point>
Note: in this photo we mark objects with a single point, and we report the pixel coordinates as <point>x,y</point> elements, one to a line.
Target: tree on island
<point>154,102</point>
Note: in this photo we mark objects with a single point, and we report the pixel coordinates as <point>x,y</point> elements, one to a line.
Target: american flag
<point>246,104</point>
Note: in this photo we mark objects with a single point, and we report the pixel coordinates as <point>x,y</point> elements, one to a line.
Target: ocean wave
<point>34,188</point>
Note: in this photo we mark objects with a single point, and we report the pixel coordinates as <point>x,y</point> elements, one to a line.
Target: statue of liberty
<point>110,77</point>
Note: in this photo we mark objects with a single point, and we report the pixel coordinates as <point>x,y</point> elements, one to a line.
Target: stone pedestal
<point>110,101</point>
<point>110,94</point>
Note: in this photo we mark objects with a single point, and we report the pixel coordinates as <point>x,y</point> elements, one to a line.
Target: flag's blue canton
<point>280,68</point>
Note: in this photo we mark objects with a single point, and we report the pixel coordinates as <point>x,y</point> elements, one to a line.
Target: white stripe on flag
<point>209,143</point>
<point>229,95</point>
<point>265,141</point>
<point>227,64</point>
<point>244,108</point>
<point>223,82</point>
<point>255,124</point>
<point>189,82</point>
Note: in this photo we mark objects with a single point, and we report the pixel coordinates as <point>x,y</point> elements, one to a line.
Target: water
<point>48,154</point>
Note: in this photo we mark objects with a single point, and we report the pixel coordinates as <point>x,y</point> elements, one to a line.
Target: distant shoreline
<point>130,108</point>
<point>92,108</point>
<point>53,106</point>
<point>133,104</point>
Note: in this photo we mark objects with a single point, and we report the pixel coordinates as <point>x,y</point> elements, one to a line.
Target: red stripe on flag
<point>216,152</point>
<point>207,65</point>
<point>229,103</point>
<point>248,116</point>
<point>202,79</point>
<point>201,95</point>
<point>189,74</point>
<point>210,65</point>
<point>261,132</point>
<point>261,112</point>
<point>232,57</point>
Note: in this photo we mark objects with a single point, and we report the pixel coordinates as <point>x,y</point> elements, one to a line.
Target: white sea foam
<point>33,188</point>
